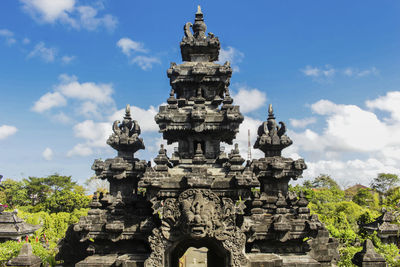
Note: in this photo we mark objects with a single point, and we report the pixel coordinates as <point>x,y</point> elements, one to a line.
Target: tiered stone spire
<point>199,86</point>
<point>200,196</point>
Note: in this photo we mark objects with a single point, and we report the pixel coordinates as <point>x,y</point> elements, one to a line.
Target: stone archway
<point>197,218</point>
<point>217,255</point>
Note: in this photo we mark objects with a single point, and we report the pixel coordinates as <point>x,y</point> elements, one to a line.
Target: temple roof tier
<point>13,227</point>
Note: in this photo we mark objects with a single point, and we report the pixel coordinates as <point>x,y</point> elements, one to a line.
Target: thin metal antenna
<point>248,146</point>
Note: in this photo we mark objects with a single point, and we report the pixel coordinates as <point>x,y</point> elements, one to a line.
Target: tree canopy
<point>54,193</point>
<point>385,181</point>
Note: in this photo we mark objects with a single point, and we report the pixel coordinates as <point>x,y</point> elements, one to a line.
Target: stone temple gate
<point>201,196</point>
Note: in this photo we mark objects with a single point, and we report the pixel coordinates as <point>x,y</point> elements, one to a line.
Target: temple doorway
<point>194,257</point>
<point>198,253</point>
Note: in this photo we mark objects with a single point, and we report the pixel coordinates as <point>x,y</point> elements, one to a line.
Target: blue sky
<point>330,68</point>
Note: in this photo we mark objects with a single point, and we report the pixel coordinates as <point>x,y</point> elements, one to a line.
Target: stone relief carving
<point>196,214</point>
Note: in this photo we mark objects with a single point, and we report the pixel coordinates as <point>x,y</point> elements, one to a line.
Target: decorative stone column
<point>25,258</point>
<point>368,257</point>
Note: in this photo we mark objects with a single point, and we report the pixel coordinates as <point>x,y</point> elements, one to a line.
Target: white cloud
<point>61,117</point>
<point>45,53</point>
<point>71,88</point>
<point>8,35</point>
<point>390,103</point>
<point>90,21</point>
<point>88,98</point>
<point>242,138</point>
<point>7,130</point>
<point>89,109</point>
<point>348,128</point>
<point>49,10</point>
<point>128,46</point>
<point>249,99</point>
<point>324,107</point>
<point>80,150</point>
<point>47,154</point>
<point>145,62</point>
<point>232,55</point>
<point>95,133</point>
<point>327,72</point>
<point>91,100</point>
<point>354,72</point>
<point>349,172</point>
<point>324,72</point>
<point>26,41</point>
<point>355,145</point>
<point>67,59</point>
<point>302,123</point>
<point>48,101</point>
<point>310,71</point>
<point>69,13</point>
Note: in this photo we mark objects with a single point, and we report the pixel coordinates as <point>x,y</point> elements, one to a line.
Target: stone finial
<point>172,101</point>
<point>162,160</point>
<point>271,138</point>
<point>199,27</point>
<point>198,46</point>
<point>125,138</point>
<point>270,112</point>
<point>235,159</point>
<point>368,256</point>
<point>199,155</point>
<point>25,257</point>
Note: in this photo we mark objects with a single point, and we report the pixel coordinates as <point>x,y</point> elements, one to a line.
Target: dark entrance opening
<point>194,257</point>
<point>216,256</point>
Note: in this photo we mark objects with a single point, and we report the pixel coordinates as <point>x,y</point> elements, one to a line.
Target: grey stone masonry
<point>368,257</point>
<point>14,228</point>
<point>25,258</point>
<point>201,196</point>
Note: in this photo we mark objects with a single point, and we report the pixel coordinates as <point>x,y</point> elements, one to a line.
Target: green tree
<point>37,190</point>
<point>393,198</point>
<point>66,201</point>
<point>384,182</point>
<point>324,181</point>
<point>57,182</point>
<point>40,188</point>
<point>366,197</point>
<point>14,193</point>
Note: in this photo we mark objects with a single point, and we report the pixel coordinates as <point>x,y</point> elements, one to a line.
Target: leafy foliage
<point>342,216</point>
<point>384,182</point>
<point>66,201</point>
<point>14,193</point>
<point>53,193</point>
<point>44,241</point>
<point>56,202</point>
<point>323,181</point>
<point>367,198</point>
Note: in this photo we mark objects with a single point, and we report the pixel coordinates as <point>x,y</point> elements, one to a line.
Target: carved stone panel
<point>197,214</point>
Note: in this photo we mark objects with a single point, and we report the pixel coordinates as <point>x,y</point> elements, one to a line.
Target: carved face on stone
<point>199,211</point>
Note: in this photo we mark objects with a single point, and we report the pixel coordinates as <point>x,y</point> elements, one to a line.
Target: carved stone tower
<point>201,196</point>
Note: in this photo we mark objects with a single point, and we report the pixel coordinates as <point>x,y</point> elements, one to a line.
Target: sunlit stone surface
<point>201,197</point>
